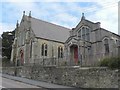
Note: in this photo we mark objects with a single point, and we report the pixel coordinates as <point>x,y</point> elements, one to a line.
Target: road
<point>7,83</point>
<point>18,83</point>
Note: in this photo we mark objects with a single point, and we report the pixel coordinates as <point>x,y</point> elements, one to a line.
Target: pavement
<point>42,84</point>
<point>8,83</point>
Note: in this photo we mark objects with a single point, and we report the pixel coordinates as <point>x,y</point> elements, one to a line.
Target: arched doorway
<point>74,54</point>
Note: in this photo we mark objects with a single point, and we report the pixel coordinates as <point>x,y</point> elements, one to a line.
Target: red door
<point>76,55</point>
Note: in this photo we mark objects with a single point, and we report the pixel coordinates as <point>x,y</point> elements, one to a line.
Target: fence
<point>48,62</point>
<point>45,61</point>
<point>84,60</point>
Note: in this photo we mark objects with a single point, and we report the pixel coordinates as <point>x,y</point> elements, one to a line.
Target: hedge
<point>111,62</point>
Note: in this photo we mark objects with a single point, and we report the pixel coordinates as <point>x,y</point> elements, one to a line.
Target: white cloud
<point>14,11</point>
<point>6,27</point>
<point>64,18</point>
<point>48,1</point>
<point>108,15</point>
<point>105,12</point>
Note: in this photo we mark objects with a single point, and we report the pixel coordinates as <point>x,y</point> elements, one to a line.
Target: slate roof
<point>49,31</point>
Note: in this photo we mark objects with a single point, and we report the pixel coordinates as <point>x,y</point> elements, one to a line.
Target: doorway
<point>74,54</point>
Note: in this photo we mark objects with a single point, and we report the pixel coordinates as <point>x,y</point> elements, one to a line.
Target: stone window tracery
<point>106,44</point>
<point>44,50</point>
<point>84,33</point>
<point>60,52</point>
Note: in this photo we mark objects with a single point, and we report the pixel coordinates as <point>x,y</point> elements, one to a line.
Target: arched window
<point>87,34</point>
<point>79,33</point>
<point>60,52</point>
<point>44,50</point>
<point>106,44</point>
<point>84,33</point>
<point>22,38</point>
<point>30,49</point>
<point>52,51</point>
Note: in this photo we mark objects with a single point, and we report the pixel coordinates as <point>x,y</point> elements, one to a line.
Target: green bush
<point>111,62</point>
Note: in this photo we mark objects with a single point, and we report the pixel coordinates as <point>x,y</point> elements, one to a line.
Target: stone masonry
<point>92,77</point>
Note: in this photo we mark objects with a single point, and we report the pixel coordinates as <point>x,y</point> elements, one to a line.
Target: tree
<point>7,40</point>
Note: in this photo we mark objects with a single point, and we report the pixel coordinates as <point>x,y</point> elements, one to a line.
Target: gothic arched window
<point>30,49</point>
<point>87,34</point>
<point>84,33</point>
<point>44,50</point>
<point>79,33</point>
<point>60,52</point>
<point>106,44</point>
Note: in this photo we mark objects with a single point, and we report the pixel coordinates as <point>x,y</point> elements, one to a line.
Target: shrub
<point>111,62</point>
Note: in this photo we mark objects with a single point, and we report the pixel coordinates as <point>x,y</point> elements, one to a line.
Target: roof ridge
<point>89,21</point>
<point>50,23</point>
<point>110,31</point>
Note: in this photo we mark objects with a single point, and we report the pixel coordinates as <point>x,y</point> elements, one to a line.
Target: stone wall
<point>70,76</point>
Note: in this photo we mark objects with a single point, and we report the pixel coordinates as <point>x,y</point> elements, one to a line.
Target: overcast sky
<point>65,13</point>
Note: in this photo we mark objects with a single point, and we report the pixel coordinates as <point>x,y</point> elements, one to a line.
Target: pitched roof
<point>49,31</point>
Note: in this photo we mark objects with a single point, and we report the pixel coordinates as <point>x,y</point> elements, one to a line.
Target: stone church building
<point>44,43</point>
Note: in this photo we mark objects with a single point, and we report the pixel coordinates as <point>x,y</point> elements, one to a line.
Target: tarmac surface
<point>28,83</point>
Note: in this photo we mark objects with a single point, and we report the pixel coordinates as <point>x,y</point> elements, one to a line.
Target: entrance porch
<point>74,55</point>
